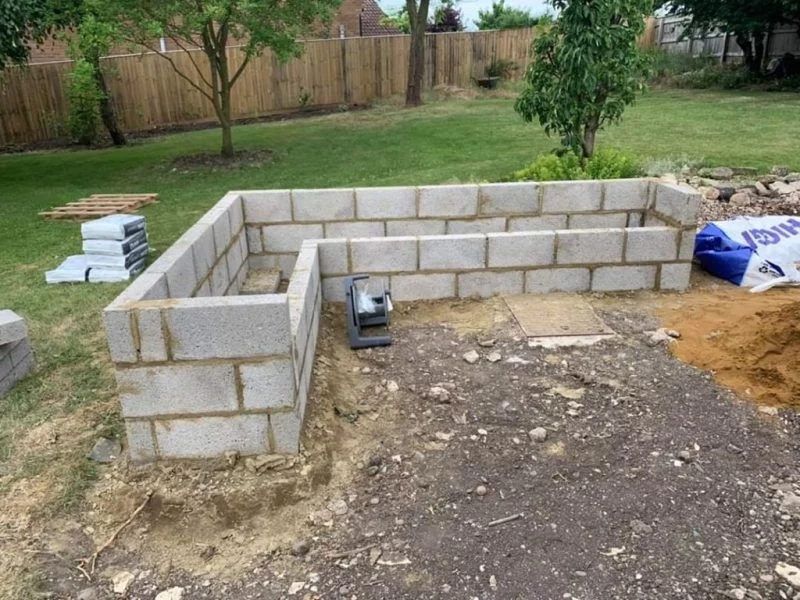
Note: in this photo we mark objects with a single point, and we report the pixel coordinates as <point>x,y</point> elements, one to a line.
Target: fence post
<point>660,25</point>
<point>724,56</point>
<point>343,43</point>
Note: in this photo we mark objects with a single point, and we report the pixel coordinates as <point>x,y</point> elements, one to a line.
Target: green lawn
<point>445,141</point>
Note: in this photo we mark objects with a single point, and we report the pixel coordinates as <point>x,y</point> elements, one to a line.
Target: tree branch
<point>176,69</point>
<point>240,70</point>
<point>191,58</point>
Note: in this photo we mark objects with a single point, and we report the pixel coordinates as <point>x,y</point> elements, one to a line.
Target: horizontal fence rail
<point>147,93</point>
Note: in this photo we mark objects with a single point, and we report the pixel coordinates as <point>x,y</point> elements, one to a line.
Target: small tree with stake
<point>212,26</point>
<point>586,69</point>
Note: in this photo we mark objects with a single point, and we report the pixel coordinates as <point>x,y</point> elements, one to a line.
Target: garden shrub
<point>607,163</point>
<point>84,97</point>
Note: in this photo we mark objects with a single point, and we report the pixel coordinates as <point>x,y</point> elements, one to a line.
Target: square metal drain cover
<point>550,315</point>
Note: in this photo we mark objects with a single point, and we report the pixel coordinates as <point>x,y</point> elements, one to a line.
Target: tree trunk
<point>107,113</point>
<point>589,135</point>
<point>418,18</point>
<point>753,49</point>
<point>227,139</point>
<point>225,117</point>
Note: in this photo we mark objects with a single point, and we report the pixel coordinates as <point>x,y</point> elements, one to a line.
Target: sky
<point>470,8</point>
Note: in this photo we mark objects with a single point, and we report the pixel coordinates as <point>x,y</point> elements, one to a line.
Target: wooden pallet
<point>100,205</point>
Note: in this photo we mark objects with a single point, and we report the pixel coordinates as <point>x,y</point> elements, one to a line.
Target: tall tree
<point>748,22</point>
<point>501,16</point>
<point>204,30</point>
<point>586,69</point>
<point>418,20</point>
<point>24,23</point>
<point>446,18</point>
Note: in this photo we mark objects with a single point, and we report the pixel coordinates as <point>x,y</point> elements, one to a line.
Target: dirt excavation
<point>461,462</point>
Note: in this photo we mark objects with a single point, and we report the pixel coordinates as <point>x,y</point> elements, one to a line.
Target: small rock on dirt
<point>174,593</point>
<point>740,199</point>
<point>494,357</point>
<point>105,451</point>
<point>321,516</point>
<point>300,548</point>
<point>392,387</point>
<point>481,490</point>
<point>296,587</point>
<point>791,503</point>
<point>88,594</point>
<point>685,456</point>
<point>471,357</point>
<point>538,434</point>
<point>640,527</point>
<point>338,507</point>
<point>439,394</point>
<point>122,581</point>
<point>486,343</point>
<point>790,573</point>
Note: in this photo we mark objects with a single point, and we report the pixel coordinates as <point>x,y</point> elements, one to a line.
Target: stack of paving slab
<point>115,249</point>
<point>16,356</point>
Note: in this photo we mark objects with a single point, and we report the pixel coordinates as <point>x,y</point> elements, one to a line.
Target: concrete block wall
<point>483,239</point>
<point>202,371</point>
<point>16,354</point>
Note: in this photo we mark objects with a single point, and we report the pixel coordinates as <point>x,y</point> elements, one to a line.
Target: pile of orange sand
<point>750,341</point>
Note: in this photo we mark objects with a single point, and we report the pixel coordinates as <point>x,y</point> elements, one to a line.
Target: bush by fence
<point>147,93</point>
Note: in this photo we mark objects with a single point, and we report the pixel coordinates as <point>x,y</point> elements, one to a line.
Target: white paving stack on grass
<point>16,354</point>
<point>204,368</point>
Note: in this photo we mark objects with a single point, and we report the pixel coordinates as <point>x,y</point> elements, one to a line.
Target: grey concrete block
<point>384,255</point>
<point>351,229</point>
<point>571,196</point>
<point>675,276</point>
<point>521,249</point>
<point>230,327</point>
<point>289,238</point>
<point>141,445</point>
<point>220,278</point>
<point>509,198</point>
<point>6,366</point>
<point>620,279</point>
<point>485,284</point>
<point>270,206</point>
<point>204,290</point>
<point>20,351</point>
<point>590,246</point>
<point>147,286</point>
<point>686,251</point>
<point>254,245</point>
<point>545,223</point>
<point>448,201</point>
<point>221,225</point>
<point>680,203</point>
<point>177,265</point>
<point>651,244</point>
<point>415,227</point>
<point>152,344</point>
<point>332,256</point>
<point>286,428</point>
<point>625,194</point>
<point>201,237</point>
<point>177,389</point>
<point>268,384</point>
<point>119,334</point>
<point>209,437</point>
<point>323,205</point>
<point>489,225</point>
<point>452,252</point>
<point>333,289</point>
<point>386,202</point>
<point>609,221</point>
<point>12,327</point>
<point>286,264</point>
<point>651,220</point>
<point>545,281</point>
<point>232,201</point>
<point>635,219</point>
<point>235,258</point>
<point>24,367</point>
<point>423,287</point>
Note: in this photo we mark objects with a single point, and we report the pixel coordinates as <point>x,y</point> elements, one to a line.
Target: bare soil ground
<point>652,482</point>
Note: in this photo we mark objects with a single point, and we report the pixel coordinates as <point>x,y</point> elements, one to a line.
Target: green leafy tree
<point>748,22</point>
<point>27,22</point>
<point>586,69</point>
<point>204,30</point>
<point>506,17</point>
<point>92,40</point>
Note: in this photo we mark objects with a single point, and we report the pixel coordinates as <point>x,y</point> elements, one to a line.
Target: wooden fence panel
<point>147,92</point>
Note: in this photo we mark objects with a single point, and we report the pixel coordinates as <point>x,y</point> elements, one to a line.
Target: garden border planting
<point>202,371</point>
